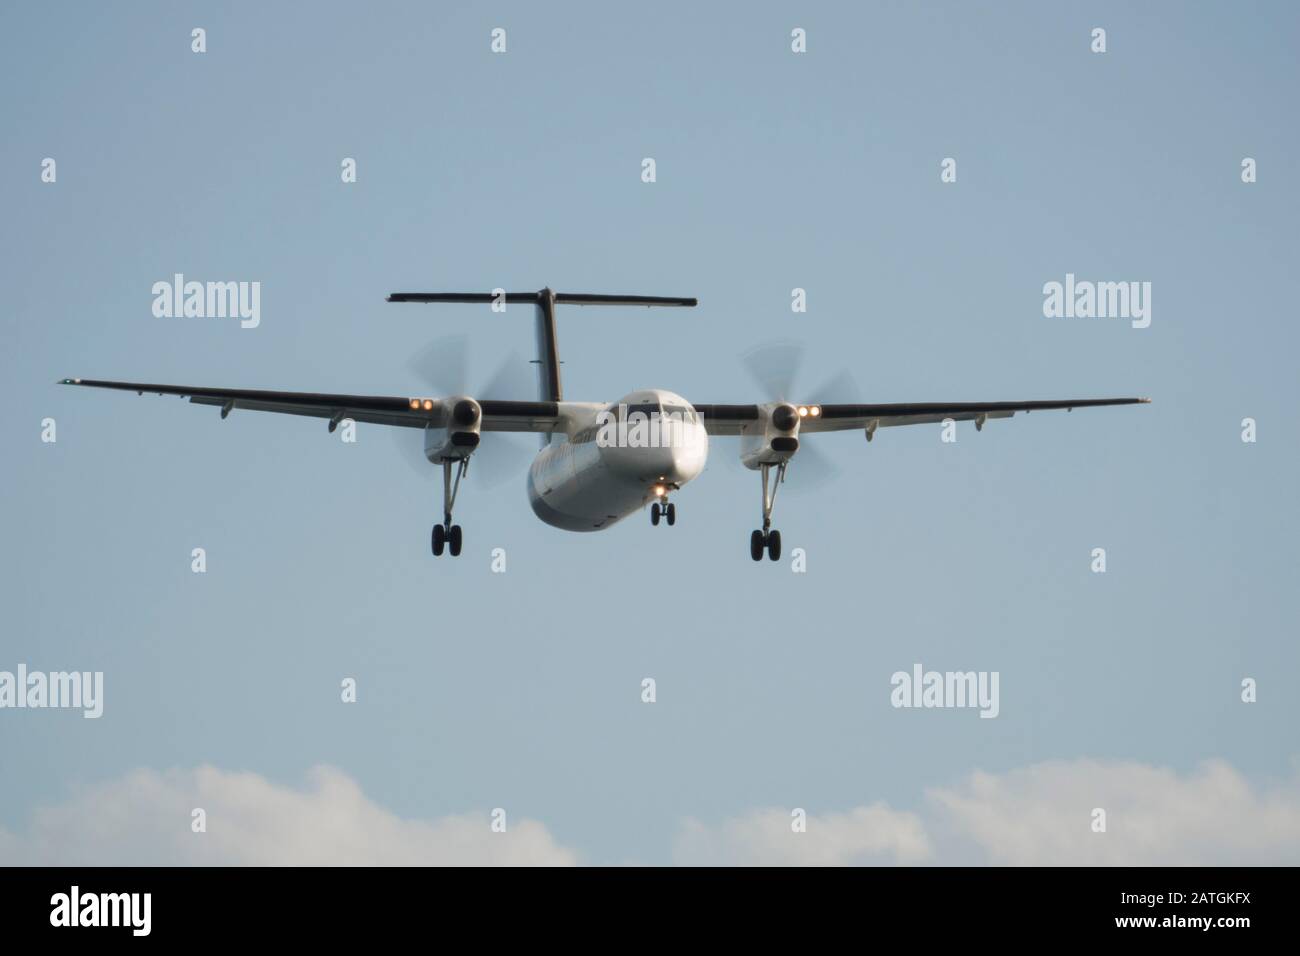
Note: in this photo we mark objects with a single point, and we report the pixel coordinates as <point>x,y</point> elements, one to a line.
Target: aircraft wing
<point>404,411</point>
<point>732,419</point>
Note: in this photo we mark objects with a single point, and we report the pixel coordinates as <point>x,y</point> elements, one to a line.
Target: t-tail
<point>545,301</point>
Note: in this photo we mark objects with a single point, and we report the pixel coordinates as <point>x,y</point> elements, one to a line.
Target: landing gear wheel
<point>767,539</point>
<point>774,545</point>
<point>654,514</point>
<point>670,512</point>
<point>447,535</point>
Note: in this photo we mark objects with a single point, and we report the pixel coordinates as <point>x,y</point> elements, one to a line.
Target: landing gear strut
<point>768,539</point>
<point>448,535</point>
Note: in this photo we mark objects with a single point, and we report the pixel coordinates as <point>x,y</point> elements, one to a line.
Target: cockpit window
<point>680,413</point>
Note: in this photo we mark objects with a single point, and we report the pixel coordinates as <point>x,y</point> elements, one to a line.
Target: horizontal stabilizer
<point>560,298</point>
<point>459,297</point>
<point>588,298</point>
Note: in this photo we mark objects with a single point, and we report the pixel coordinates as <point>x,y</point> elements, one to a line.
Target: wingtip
<point>68,381</point>
<point>1145,401</point>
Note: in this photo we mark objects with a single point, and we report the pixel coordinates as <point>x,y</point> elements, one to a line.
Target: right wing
<point>408,412</point>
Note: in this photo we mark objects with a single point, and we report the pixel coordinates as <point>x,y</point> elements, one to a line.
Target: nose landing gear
<point>768,539</point>
<point>448,535</point>
<point>667,510</point>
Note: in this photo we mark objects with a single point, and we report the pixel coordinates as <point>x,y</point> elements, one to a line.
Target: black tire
<point>453,540</point>
<point>756,543</point>
<point>774,545</point>
<point>654,514</point>
<point>670,512</point>
<point>439,539</point>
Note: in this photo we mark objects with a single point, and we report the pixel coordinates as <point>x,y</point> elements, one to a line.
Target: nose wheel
<point>667,511</point>
<point>767,538</point>
<point>447,536</point>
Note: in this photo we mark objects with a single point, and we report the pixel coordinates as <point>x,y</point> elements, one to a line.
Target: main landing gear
<point>768,539</point>
<point>448,535</point>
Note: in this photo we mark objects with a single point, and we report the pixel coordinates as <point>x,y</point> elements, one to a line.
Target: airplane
<point>599,461</point>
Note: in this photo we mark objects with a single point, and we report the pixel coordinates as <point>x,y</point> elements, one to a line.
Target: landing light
<point>803,411</point>
<point>659,491</point>
<point>428,404</point>
<point>415,404</point>
<point>815,411</point>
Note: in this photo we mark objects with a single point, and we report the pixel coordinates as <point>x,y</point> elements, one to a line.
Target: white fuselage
<point>614,459</point>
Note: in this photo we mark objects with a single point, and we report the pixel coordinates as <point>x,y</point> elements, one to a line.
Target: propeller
<point>774,367</point>
<point>443,368</point>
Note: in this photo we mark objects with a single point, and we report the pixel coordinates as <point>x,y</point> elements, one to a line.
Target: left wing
<point>732,419</point>
<point>409,412</point>
<point>831,418</point>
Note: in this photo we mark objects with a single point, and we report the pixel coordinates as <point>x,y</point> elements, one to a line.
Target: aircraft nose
<point>687,458</point>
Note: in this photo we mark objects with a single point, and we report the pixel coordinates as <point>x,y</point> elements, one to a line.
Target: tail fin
<point>548,349</point>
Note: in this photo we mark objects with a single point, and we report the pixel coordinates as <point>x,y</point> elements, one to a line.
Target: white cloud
<point>1041,815</point>
<point>1038,815</point>
<point>143,818</point>
<point>874,834</point>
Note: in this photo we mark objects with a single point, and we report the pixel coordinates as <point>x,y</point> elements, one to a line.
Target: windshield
<point>681,413</point>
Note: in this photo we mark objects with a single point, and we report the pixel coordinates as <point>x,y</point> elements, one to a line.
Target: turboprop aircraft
<point>599,461</point>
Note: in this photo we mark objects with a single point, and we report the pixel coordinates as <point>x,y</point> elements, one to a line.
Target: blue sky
<point>774,170</point>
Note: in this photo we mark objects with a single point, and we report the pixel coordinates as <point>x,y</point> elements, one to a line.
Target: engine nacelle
<point>773,438</point>
<point>457,438</point>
